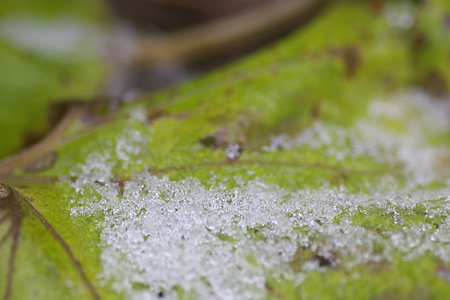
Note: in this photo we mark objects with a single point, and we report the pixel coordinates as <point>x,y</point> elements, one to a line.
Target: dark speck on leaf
<point>351,58</point>
<point>324,261</point>
<point>154,114</point>
<point>99,110</point>
<point>42,163</point>
<point>419,41</point>
<point>208,141</point>
<point>435,83</point>
<point>447,21</point>
<point>315,111</point>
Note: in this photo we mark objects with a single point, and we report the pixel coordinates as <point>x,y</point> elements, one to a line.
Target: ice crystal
<point>216,242</point>
<point>233,151</point>
<point>421,115</point>
<point>118,154</point>
<point>129,144</point>
<point>223,244</point>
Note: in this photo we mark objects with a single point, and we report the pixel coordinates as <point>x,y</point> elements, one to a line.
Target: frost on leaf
<point>420,118</point>
<point>214,241</point>
<point>164,234</point>
<point>115,155</point>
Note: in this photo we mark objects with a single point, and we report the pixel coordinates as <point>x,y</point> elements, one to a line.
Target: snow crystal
<point>216,242</point>
<point>224,244</point>
<point>118,154</point>
<point>129,144</point>
<point>423,117</point>
<point>233,151</point>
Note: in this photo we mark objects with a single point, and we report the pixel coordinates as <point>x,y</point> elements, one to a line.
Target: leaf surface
<point>310,169</point>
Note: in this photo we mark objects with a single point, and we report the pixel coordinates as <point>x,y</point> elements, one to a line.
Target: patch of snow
<point>224,243</point>
<point>422,116</point>
<point>99,165</point>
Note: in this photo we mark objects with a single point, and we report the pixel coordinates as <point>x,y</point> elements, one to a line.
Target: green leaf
<point>312,169</point>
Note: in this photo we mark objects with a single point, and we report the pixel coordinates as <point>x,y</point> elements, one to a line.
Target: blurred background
<point>54,53</point>
<point>181,39</point>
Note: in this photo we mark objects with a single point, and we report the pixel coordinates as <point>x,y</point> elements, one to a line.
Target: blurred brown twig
<point>219,36</point>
